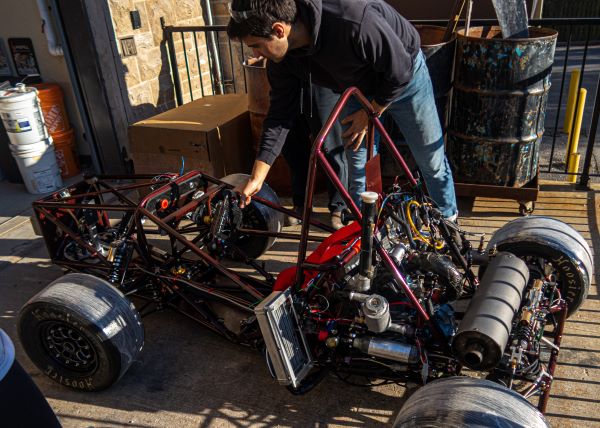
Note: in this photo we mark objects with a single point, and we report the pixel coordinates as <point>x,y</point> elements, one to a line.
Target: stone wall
<point>147,73</point>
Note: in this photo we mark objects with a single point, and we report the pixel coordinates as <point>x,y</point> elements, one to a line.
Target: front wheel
<point>257,216</point>
<point>458,402</point>
<point>81,332</point>
<point>550,247</point>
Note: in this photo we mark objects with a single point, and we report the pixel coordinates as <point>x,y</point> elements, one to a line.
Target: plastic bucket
<point>53,107</point>
<point>47,143</point>
<point>66,155</point>
<point>38,166</point>
<point>22,115</point>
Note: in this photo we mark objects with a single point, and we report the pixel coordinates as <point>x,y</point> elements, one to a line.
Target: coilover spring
<point>523,332</point>
<point>119,258</point>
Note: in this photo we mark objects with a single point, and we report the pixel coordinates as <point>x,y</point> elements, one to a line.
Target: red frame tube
<point>317,155</point>
<point>554,358</point>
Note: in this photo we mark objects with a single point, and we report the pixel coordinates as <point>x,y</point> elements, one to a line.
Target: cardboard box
<point>212,134</point>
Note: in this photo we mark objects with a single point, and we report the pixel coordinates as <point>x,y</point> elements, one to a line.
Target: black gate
<point>219,70</point>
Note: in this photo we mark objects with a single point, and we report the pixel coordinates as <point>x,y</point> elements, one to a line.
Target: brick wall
<point>147,73</point>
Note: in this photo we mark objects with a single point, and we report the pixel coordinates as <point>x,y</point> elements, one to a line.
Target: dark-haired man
<point>338,44</point>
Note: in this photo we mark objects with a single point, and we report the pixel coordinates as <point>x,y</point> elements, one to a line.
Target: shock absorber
<point>362,281</point>
<point>118,255</point>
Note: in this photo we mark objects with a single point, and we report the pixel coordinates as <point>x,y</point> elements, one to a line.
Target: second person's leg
<point>417,117</point>
<point>324,102</point>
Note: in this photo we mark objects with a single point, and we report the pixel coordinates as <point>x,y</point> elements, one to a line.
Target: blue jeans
<point>416,116</point>
<point>296,150</point>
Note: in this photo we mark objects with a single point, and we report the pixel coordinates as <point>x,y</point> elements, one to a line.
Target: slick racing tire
<point>257,216</point>
<point>458,402</point>
<point>548,244</point>
<point>81,332</point>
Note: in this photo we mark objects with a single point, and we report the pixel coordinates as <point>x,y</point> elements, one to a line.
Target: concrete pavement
<point>189,377</point>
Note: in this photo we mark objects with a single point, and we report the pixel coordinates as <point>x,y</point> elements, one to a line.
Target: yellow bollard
<point>573,85</point>
<point>573,141</point>
<point>573,167</point>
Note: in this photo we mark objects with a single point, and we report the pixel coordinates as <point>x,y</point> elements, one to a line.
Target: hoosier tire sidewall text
<point>107,368</point>
<point>76,313</point>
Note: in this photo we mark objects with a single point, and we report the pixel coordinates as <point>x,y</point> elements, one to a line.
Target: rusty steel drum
<point>499,105</point>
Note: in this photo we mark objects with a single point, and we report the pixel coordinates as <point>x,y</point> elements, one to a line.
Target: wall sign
<point>23,56</point>
<point>128,46</point>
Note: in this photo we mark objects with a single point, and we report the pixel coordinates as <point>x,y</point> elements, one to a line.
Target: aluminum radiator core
<point>289,353</point>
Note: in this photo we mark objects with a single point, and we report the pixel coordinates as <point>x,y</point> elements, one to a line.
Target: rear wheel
<point>257,216</point>
<point>465,401</point>
<point>550,247</point>
<point>81,332</point>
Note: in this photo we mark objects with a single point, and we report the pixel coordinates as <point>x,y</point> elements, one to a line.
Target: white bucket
<point>38,146</point>
<point>38,166</point>
<point>22,115</point>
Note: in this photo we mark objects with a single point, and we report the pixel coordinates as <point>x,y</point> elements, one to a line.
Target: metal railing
<point>194,73</point>
<point>220,79</point>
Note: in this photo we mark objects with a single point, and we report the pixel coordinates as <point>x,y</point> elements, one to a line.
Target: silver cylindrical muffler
<point>387,349</point>
<point>483,333</point>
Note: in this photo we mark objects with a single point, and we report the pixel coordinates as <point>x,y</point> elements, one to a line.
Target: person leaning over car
<point>338,44</point>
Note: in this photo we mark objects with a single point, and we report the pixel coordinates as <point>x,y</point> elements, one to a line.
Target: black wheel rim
<point>68,346</point>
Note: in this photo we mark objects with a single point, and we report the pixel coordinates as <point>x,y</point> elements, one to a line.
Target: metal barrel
<point>499,105</point>
<point>439,57</point>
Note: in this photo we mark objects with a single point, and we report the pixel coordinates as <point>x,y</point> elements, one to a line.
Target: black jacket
<point>362,43</point>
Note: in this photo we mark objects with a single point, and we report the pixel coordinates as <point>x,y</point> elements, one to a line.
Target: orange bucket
<point>53,107</point>
<point>66,154</point>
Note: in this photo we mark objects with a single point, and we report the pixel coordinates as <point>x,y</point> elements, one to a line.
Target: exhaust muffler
<point>484,331</point>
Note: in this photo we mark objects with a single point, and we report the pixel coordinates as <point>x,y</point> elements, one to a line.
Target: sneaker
<point>453,218</point>
<point>291,220</point>
<point>336,220</point>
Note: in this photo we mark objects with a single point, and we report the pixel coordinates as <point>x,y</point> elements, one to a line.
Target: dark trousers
<point>296,150</point>
<point>21,402</point>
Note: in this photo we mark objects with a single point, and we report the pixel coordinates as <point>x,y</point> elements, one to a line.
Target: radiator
<point>289,353</point>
